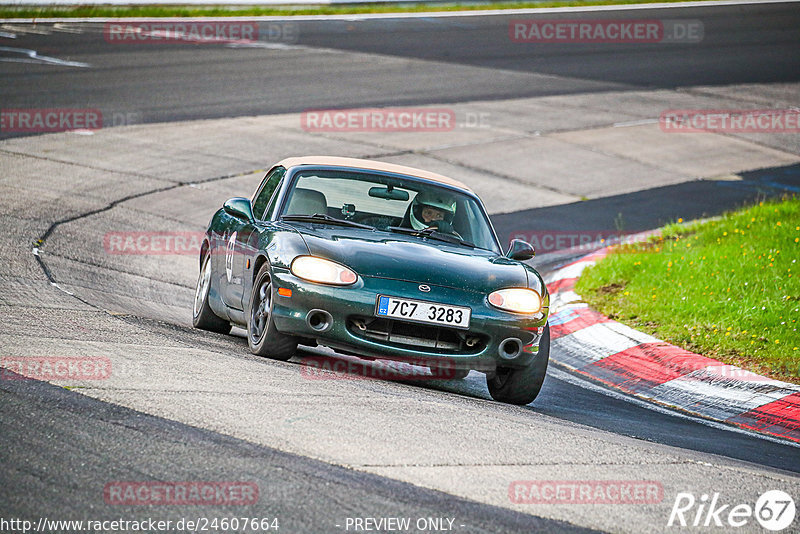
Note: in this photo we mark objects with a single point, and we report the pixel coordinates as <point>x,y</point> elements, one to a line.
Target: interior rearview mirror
<point>388,193</point>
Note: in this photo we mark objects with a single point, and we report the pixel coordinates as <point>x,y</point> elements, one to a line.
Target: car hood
<point>425,261</point>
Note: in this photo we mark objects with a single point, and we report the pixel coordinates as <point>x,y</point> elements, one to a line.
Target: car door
<point>231,280</point>
<point>242,243</point>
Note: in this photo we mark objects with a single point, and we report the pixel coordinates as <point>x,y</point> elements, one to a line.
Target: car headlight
<point>322,271</point>
<point>517,300</point>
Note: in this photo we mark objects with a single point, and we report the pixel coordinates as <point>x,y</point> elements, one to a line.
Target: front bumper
<point>348,305</point>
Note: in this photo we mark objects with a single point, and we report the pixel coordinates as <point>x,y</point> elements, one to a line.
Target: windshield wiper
<point>325,219</point>
<point>432,233</point>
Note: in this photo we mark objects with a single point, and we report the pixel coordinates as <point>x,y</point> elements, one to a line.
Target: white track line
<point>32,56</point>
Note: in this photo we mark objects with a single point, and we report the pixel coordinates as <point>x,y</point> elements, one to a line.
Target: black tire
<point>203,317</point>
<point>521,386</point>
<point>263,337</point>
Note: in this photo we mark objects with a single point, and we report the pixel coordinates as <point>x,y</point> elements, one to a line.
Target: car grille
<point>404,334</point>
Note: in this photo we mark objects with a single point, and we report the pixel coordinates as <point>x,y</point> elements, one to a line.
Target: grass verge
<point>727,289</point>
<point>158,11</point>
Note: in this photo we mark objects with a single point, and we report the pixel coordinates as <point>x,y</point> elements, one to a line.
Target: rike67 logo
<point>774,510</point>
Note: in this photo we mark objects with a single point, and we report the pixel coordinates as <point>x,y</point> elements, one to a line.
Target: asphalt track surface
<point>306,495</point>
<point>49,466</point>
<point>420,61</point>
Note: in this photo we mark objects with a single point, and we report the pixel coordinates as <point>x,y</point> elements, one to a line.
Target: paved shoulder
<point>46,427</point>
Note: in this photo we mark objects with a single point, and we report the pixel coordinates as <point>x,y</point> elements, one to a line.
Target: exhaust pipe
<point>510,348</point>
<point>319,320</point>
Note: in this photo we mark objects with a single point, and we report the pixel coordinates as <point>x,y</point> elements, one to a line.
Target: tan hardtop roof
<point>371,166</point>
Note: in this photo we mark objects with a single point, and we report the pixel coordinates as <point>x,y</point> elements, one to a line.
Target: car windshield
<point>390,204</point>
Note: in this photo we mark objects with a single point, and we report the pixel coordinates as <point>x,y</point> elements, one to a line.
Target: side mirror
<point>240,208</point>
<point>520,250</point>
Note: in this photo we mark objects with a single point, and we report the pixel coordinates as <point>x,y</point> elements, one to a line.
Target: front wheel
<point>203,317</point>
<point>263,337</point>
<point>521,386</point>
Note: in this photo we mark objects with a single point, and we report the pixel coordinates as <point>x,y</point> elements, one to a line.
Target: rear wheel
<point>203,317</point>
<point>263,337</point>
<point>521,386</point>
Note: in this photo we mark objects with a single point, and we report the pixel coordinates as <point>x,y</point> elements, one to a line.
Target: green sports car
<point>379,261</point>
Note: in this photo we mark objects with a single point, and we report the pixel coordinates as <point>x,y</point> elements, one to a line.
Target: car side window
<point>273,203</point>
<point>267,192</point>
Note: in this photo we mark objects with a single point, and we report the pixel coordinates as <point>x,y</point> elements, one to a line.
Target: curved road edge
<point>391,15</point>
<point>591,344</point>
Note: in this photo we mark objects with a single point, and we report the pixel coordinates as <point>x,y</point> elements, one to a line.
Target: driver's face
<point>430,214</point>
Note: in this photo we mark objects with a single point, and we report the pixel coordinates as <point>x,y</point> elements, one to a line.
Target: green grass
<point>728,289</point>
<point>156,11</point>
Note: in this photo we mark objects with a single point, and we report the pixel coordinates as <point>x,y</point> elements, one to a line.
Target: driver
<point>433,210</point>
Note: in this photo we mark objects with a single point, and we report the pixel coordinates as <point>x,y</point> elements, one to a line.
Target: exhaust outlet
<point>510,348</point>
<point>319,320</point>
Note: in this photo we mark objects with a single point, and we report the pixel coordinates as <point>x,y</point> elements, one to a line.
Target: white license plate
<point>423,312</point>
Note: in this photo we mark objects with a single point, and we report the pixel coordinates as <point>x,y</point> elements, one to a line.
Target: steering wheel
<point>445,228</point>
<point>378,221</point>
